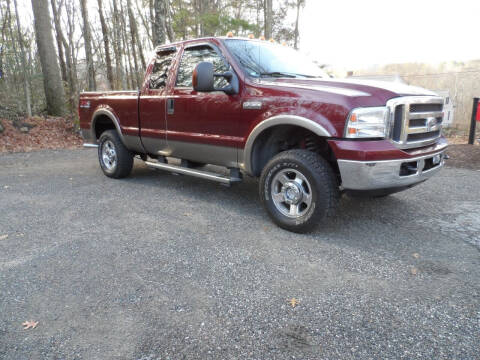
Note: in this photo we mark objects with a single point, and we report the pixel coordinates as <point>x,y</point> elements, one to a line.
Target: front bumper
<point>385,174</point>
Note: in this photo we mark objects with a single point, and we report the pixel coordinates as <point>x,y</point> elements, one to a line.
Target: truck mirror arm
<point>233,87</point>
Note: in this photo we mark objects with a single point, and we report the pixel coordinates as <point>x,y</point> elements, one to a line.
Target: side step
<point>234,178</point>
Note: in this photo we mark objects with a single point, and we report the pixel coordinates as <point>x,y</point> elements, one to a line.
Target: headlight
<point>367,123</point>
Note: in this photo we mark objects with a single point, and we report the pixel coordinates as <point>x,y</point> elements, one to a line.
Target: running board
<point>194,172</point>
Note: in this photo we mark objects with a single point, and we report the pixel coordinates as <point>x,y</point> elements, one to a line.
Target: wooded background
<point>74,45</point>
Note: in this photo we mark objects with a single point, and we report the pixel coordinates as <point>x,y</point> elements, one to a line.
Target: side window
<point>159,75</point>
<point>194,55</point>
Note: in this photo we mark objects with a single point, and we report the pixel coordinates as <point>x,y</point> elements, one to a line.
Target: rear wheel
<point>299,190</point>
<point>115,159</point>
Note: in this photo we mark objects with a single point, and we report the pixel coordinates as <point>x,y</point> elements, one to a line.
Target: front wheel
<point>115,159</point>
<point>299,190</point>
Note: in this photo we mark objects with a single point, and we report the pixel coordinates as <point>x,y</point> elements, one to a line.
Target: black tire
<point>122,167</point>
<point>320,187</point>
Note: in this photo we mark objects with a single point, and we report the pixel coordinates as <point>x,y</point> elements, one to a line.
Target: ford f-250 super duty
<point>264,110</point>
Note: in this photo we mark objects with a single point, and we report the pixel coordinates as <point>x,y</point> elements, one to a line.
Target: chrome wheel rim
<point>291,193</point>
<point>109,156</point>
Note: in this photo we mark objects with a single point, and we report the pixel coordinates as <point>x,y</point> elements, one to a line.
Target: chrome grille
<point>415,120</point>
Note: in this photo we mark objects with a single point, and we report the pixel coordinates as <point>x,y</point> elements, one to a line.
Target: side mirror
<point>203,79</point>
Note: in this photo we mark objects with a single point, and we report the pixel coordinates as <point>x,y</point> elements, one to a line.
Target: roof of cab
<point>177,43</point>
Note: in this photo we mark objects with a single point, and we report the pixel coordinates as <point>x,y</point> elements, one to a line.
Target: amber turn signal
<point>194,78</point>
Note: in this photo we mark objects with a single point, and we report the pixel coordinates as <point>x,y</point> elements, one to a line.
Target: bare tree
<point>62,42</point>
<point>26,85</point>
<point>106,44</point>
<point>117,47</point>
<point>268,16</point>
<point>92,85</point>
<point>159,22</point>
<point>54,93</point>
<point>135,37</point>
<point>168,22</point>
<point>300,3</point>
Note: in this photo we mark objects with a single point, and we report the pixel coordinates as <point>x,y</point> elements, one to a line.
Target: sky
<point>360,33</point>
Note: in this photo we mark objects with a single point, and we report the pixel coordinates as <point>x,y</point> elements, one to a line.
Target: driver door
<point>203,126</point>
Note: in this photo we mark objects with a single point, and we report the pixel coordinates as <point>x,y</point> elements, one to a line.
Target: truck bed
<point>119,103</point>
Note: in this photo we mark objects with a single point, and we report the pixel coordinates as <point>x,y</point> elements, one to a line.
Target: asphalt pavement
<point>158,266</point>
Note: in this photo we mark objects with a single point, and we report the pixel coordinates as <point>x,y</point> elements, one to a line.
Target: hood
<point>356,88</point>
<point>394,87</point>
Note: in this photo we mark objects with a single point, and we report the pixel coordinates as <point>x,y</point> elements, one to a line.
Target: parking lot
<point>158,266</point>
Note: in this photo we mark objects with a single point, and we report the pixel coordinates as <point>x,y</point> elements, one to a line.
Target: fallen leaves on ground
<point>3,237</point>
<point>48,133</point>
<point>293,302</point>
<point>30,324</point>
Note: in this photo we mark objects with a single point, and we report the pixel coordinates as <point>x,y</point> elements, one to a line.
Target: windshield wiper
<point>309,76</point>
<point>278,74</point>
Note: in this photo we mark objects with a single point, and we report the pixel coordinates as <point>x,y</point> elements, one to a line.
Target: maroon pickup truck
<point>264,110</point>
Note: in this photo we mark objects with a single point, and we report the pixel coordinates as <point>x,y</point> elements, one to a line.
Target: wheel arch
<point>104,119</point>
<point>251,163</point>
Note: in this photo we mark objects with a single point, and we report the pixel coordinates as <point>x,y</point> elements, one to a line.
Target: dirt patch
<point>38,133</point>
<point>464,156</point>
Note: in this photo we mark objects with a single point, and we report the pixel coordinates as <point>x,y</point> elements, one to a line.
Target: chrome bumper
<point>384,174</point>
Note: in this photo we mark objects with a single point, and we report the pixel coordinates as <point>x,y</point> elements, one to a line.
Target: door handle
<point>170,106</point>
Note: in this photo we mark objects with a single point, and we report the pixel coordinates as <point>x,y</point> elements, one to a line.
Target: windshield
<point>264,59</point>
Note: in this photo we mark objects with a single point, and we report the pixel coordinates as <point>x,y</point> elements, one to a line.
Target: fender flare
<point>111,116</point>
<point>274,121</point>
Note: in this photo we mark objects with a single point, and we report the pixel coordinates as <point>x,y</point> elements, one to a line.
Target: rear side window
<point>195,55</point>
<point>161,68</point>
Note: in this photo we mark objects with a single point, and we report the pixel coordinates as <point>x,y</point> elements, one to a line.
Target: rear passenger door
<point>203,126</point>
<point>153,102</point>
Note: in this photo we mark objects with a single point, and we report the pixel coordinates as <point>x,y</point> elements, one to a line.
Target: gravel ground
<point>158,266</point>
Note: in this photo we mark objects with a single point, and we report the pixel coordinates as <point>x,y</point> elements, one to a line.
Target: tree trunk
<point>135,37</point>
<point>133,72</point>
<point>299,3</point>
<point>145,22</point>
<point>159,23</point>
<point>168,22</point>
<point>106,42</point>
<point>54,92</point>
<point>72,58</point>
<point>26,85</point>
<point>68,56</point>
<point>117,47</point>
<point>16,70</point>
<point>268,16</point>
<point>61,56</point>
<point>87,37</point>
<point>4,26</point>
